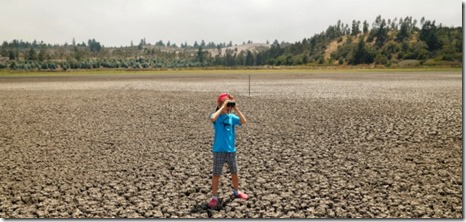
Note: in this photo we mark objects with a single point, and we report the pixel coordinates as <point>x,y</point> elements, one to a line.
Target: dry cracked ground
<point>317,145</point>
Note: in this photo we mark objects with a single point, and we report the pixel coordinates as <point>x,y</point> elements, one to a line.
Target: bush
<point>52,65</point>
<point>341,60</point>
<point>298,59</point>
<point>44,65</point>
<point>409,63</point>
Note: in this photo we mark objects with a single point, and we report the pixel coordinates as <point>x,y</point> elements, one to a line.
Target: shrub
<point>409,63</point>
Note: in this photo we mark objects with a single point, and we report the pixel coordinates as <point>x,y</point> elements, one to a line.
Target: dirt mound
<point>253,47</point>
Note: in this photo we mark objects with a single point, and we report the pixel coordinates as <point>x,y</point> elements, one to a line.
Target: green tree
<point>381,31</point>
<point>260,60</point>
<point>361,54</point>
<point>355,28</point>
<point>403,33</point>
<point>240,59</point>
<point>365,27</point>
<point>42,54</point>
<point>249,59</point>
<point>160,43</point>
<point>230,58</point>
<point>305,58</point>
<point>428,34</point>
<point>94,46</point>
<point>31,56</point>
<point>4,49</point>
<point>78,54</point>
<point>201,55</point>
<point>141,44</point>
<point>420,51</point>
<point>390,48</point>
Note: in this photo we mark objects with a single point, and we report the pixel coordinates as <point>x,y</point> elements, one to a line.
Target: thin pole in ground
<point>249,84</point>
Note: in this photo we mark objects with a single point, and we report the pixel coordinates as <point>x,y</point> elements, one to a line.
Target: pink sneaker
<point>213,203</point>
<point>241,195</point>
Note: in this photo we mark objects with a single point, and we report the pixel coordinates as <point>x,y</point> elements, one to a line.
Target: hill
<point>387,43</point>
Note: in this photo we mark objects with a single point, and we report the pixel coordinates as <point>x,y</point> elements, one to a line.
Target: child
<point>224,150</point>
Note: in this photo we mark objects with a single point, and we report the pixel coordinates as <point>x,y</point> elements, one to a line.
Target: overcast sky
<point>118,22</point>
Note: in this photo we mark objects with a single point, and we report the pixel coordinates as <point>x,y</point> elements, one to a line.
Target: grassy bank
<point>218,70</point>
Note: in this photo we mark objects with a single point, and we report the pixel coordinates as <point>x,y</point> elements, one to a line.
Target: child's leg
<point>215,180</point>
<point>234,180</point>
<point>233,170</point>
<point>214,200</point>
<point>217,171</point>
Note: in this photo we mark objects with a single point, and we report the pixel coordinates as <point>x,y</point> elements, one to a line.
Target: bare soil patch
<point>360,145</point>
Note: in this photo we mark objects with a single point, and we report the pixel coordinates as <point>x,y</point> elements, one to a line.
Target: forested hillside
<point>385,42</point>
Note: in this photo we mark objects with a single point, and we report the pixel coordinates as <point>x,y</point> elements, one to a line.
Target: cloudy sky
<point>118,22</point>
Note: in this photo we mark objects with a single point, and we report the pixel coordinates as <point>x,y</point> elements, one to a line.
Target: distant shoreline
<point>221,70</point>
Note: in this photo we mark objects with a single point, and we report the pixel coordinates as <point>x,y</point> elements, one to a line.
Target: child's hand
<point>235,108</point>
<point>225,104</point>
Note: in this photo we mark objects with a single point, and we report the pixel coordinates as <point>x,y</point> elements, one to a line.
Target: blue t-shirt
<point>224,133</point>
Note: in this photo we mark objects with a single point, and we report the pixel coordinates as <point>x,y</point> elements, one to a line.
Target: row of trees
<point>170,60</point>
<point>384,42</point>
<point>211,45</point>
<point>132,63</point>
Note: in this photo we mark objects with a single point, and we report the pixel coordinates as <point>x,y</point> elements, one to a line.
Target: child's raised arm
<point>242,119</point>
<point>218,112</point>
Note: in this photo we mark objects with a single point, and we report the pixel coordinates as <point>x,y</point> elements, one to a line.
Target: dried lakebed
<point>360,145</point>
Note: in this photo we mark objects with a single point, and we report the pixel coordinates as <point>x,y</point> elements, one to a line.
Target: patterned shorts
<point>221,158</point>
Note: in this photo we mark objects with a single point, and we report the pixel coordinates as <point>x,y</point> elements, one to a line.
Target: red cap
<point>222,96</point>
